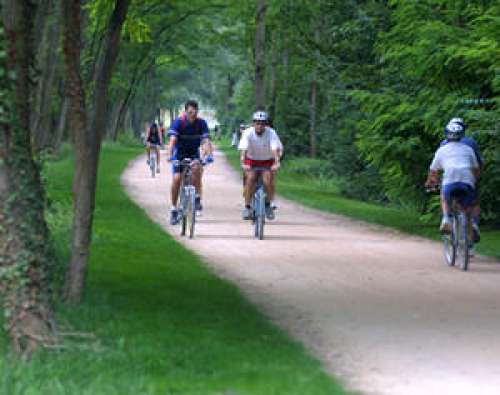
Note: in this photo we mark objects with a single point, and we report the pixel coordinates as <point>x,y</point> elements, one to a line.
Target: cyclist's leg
<point>197,182</point>
<point>176,184</point>
<point>157,146</point>
<point>267,179</point>
<point>148,150</point>
<point>251,180</point>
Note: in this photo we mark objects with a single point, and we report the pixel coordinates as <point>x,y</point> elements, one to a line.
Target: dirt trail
<point>379,308</point>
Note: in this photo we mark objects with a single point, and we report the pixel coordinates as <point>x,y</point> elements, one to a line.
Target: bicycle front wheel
<point>152,165</point>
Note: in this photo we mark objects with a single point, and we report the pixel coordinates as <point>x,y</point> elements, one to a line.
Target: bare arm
<point>170,148</point>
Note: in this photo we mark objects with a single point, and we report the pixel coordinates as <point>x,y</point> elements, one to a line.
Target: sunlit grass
<point>163,323</point>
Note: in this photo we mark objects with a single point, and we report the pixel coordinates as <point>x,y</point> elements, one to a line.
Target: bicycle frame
<point>152,159</point>
<point>187,198</point>
<point>259,204</point>
<point>457,244</point>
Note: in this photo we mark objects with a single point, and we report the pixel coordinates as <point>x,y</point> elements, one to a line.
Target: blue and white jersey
<point>471,143</point>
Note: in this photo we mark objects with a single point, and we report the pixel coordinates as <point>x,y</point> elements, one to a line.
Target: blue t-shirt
<point>471,143</point>
<point>189,137</point>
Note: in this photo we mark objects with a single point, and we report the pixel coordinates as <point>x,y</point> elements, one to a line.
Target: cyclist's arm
<point>170,148</point>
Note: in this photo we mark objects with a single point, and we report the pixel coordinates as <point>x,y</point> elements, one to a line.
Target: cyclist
<point>189,138</point>
<point>154,140</point>
<point>476,207</point>
<point>461,170</point>
<point>259,147</point>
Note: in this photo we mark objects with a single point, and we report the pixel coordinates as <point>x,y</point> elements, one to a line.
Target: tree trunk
<point>273,82</point>
<point>312,120</point>
<point>24,237</point>
<point>61,125</point>
<point>260,53</point>
<point>88,138</point>
<point>47,60</point>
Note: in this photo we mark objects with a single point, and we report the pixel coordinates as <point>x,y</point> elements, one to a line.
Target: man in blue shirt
<point>188,136</point>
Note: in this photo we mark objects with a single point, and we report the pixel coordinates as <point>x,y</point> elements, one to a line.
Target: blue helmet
<point>455,129</point>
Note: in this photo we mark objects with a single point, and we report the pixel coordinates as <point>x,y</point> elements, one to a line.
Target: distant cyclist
<point>154,140</point>
<point>476,207</point>
<point>189,138</point>
<point>259,148</point>
<point>461,170</point>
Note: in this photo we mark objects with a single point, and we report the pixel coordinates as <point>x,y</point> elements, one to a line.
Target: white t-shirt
<point>457,160</point>
<point>260,147</point>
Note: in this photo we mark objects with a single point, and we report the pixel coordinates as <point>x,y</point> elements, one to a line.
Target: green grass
<point>164,324</point>
<point>324,195</point>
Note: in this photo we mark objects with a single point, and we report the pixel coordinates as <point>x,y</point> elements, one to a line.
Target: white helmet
<point>260,116</point>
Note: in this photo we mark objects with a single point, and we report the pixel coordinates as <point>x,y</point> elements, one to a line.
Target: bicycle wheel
<point>463,241</point>
<point>182,212</point>
<point>152,164</point>
<point>260,214</point>
<point>191,213</point>
<point>450,245</point>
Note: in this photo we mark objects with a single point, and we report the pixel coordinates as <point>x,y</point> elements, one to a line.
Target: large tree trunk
<point>24,240</point>
<point>260,53</point>
<point>88,138</point>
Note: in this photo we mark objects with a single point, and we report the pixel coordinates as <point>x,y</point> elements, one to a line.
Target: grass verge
<point>324,195</point>
<point>163,323</point>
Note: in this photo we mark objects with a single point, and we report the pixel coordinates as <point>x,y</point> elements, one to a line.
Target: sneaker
<point>174,217</point>
<point>445,225</point>
<point>273,206</point>
<point>269,212</point>
<point>246,213</point>
<point>476,234</point>
<point>197,204</point>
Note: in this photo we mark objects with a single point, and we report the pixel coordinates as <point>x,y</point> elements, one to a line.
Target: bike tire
<point>152,165</point>
<point>183,224</point>
<point>191,214</point>
<point>463,242</point>
<point>450,244</point>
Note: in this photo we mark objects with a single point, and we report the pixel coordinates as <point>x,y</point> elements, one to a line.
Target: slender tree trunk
<point>260,53</point>
<point>61,125</point>
<point>274,79</point>
<point>312,120</point>
<point>88,138</point>
<point>24,240</point>
<point>47,60</point>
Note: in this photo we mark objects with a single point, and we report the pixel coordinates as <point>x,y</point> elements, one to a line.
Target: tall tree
<point>24,241</point>
<point>260,54</point>
<point>89,128</point>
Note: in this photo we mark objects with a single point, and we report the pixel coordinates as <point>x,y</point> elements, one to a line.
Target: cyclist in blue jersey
<point>469,141</point>
<point>461,171</point>
<point>189,138</point>
<point>154,140</point>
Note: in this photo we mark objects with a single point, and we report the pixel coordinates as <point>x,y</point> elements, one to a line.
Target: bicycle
<point>258,205</point>
<point>458,243</point>
<point>152,159</point>
<point>187,204</point>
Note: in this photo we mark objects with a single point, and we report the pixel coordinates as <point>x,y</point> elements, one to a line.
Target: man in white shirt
<point>260,149</point>
<point>461,169</point>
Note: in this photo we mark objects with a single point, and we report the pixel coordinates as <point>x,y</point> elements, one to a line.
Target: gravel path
<point>379,308</point>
